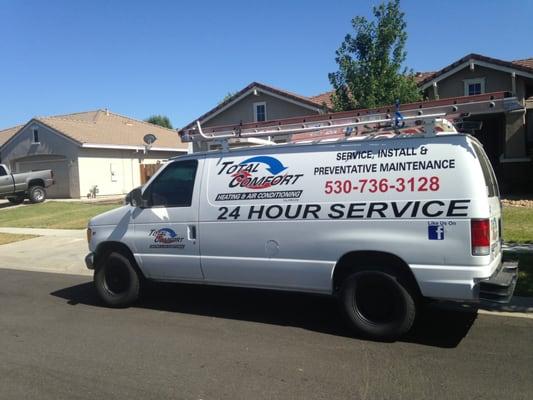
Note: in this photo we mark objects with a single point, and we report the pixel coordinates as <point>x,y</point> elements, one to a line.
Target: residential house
<point>258,102</point>
<point>87,149</point>
<point>507,136</point>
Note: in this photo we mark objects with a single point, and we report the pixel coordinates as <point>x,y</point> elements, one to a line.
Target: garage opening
<point>58,164</point>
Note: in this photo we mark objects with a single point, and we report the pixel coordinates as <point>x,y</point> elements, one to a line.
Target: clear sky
<point>180,59</point>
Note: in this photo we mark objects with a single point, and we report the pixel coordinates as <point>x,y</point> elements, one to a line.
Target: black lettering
<point>223,212</point>
<point>373,207</point>
<point>399,213</point>
<point>276,180</point>
<point>253,211</point>
<point>296,213</point>
<point>296,177</point>
<point>233,168</point>
<point>415,209</point>
<point>427,213</point>
<point>224,165</point>
<point>311,209</point>
<point>337,211</point>
<point>455,206</point>
<point>286,180</point>
<point>352,210</point>
<point>278,211</point>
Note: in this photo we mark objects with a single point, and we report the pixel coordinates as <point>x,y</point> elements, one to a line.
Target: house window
<point>260,112</point>
<point>474,86</point>
<point>35,135</point>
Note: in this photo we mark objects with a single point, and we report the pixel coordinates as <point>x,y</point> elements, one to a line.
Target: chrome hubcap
<point>38,194</point>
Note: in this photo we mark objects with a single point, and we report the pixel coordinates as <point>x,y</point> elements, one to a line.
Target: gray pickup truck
<point>16,187</point>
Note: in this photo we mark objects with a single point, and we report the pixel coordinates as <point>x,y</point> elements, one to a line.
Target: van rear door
<point>493,195</point>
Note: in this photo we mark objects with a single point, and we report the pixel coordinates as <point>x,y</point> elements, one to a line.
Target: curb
<point>517,248</point>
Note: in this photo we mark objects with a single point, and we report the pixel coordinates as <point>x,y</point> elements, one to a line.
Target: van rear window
<point>488,173</point>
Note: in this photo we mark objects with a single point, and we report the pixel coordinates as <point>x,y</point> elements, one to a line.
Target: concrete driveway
<point>55,250</point>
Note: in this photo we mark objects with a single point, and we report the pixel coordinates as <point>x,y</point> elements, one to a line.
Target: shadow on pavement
<point>435,326</point>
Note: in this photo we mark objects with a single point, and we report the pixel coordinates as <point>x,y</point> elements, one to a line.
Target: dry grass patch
<point>6,238</point>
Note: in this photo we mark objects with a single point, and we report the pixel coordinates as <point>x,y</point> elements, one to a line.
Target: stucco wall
<point>50,144</point>
<point>95,166</point>
<point>244,110</point>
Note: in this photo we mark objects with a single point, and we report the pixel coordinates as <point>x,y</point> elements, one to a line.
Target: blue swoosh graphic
<point>274,165</point>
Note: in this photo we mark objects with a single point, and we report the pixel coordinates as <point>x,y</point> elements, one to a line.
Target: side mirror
<point>135,198</point>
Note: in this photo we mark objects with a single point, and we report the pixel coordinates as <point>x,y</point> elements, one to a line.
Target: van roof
<point>325,141</point>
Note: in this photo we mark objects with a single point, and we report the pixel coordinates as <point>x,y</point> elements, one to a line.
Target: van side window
<point>488,173</point>
<point>2,171</point>
<point>174,186</point>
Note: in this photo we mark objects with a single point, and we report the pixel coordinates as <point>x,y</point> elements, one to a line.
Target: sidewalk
<point>58,251</point>
<point>69,233</point>
<point>6,205</point>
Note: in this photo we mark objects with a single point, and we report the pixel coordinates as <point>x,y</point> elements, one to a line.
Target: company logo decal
<point>166,238</point>
<point>436,232</point>
<point>257,173</point>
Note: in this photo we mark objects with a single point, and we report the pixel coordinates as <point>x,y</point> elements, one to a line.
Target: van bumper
<point>500,286</point>
<point>89,261</point>
<point>467,283</point>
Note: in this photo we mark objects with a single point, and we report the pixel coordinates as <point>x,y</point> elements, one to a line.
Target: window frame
<point>147,194</point>
<point>256,105</point>
<point>34,133</point>
<point>473,81</point>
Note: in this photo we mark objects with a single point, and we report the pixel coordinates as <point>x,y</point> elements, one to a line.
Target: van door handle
<point>191,232</point>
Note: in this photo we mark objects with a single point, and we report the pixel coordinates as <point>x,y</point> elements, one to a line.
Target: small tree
<point>228,96</point>
<point>160,120</point>
<point>370,63</point>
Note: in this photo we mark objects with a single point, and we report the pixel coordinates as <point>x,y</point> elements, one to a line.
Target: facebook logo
<point>435,232</point>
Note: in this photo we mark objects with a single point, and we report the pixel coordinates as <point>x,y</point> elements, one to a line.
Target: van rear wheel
<point>378,305</point>
<point>116,280</point>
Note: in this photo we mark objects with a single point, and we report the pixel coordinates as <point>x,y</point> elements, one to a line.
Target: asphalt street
<point>193,342</point>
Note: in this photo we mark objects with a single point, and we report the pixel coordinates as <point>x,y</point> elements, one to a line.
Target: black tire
<point>378,304</point>
<point>16,200</point>
<point>116,280</point>
<point>37,194</point>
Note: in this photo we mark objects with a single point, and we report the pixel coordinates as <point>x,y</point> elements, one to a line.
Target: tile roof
<point>526,62</point>
<point>525,65</point>
<point>8,133</point>
<point>421,76</point>
<point>324,98</point>
<point>105,128</point>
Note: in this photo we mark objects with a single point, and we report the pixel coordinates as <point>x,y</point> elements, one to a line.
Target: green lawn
<point>6,238</point>
<point>518,224</point>
<point>518,228</point>
<point>53,214</point>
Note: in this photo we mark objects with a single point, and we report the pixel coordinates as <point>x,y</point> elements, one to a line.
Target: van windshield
<point>488,173</point>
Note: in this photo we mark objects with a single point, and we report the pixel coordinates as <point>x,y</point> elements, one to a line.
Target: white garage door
<point>61,176</point>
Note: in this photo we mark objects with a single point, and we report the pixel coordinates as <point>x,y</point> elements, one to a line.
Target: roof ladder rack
<point>429,118</point>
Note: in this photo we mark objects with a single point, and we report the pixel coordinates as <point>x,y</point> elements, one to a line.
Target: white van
<point>380,222</point>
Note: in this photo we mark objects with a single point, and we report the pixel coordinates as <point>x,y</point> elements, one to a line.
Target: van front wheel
<point>116,281</point>
<point>378,305</point>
